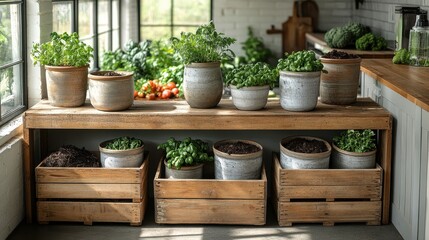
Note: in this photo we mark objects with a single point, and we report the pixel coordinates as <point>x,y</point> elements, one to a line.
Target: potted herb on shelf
<point>250,84</point>
<point>66,60</point>
<point>303,152</point>
<point>299,80</point>
<point>201,53</point>
<point>184,159</point>
<point>354,149</point>
<point>121,152</point>
<point>111,90</point>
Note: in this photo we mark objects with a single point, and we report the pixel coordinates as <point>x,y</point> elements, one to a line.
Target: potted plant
<point>339,84</point>
<point>66,60</point>
<point>121,152</point>
<point>299,80</point>
<point>111,90</point>
<point>237,159</point>
<point>354,149</point>
<point>201,53</point>
<point>302,152</point>
<point>250,84</point>
<point>184,159</point>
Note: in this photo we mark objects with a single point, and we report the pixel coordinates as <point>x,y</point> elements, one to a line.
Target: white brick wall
<point>11,186</point>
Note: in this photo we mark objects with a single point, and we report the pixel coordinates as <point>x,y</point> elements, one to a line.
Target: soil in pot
<point>237,148</point>
<point>107,73</point>
<point>71,156</point>
<point>303,145</point>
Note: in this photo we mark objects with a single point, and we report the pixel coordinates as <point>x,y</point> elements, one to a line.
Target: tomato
<point>175,91</point>
<point>171,85</point>
<point>166,94</point>
<point>140,94</point>
<point>151,96</point>
<point>135,93</point>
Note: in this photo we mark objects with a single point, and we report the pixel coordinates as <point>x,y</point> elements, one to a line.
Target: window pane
<point>115,14</point>
<point>178,30</point>
<point>103,16</point>
<point>193,12</point>
<point>155,12</point>
<point>11,90</point>
<point>86,18</point>
<point>10,34</point>
<point>90,42</point>
<point>62,17</point>
<point>155,33</point>
<point>103,45</point>
<point>115,40</point>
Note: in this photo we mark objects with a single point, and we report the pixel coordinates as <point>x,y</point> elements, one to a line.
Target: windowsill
<point>11,129</point>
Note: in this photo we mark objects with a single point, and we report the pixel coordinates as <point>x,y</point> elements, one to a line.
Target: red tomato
<point>135,93</point>
<point>171,85</point>
<point>151,96</point>
<point>166,94</point>
<point>175,91</point>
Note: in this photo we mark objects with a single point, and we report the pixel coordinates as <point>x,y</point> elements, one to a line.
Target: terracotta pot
<point>185,172</point>
<point>352,160</point>
<point>66,86</point>
<point>299,90</point>
<point>250,98</point>
<point>111,93</point>
<point>203,84</point>
<point>296,160</point>
<point>339,86</point>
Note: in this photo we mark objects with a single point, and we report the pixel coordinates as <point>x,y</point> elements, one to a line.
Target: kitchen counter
<point>408,81</point>
<point>317,41</point>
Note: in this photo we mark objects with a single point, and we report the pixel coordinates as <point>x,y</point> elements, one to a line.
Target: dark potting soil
<point>71,156</point>
<point>110,73</point>
<point>237,148</point>
<point>334,54</point>
<point>303,145</point>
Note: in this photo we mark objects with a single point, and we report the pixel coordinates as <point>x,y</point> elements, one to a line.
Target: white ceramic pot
<point>352,160</point>
<point>250,98</point>
<point>120,158</point>
<point>296,160</point>
<point>185,172</point>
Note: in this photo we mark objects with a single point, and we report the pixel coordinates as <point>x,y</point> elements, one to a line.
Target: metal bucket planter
<point>296,160</point>
<point>352,160</point>
<point>203,85</point>
<point>120,158</point>
<point>250,98</point>
<point>299,90</point>
<point>185,172</point>
<point>66,86</point>
<point>111,93</point>
<point>237,166</point>
<point>339,86</point>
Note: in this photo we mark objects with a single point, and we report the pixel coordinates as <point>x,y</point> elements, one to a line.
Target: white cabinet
<point>424,197</point>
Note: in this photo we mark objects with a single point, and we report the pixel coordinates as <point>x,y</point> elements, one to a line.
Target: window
<point>161,19</point>
<point>96,21</point>
<point>12,65</point>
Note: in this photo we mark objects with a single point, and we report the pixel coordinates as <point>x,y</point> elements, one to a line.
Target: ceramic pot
<point>352,160</point>
<point>250,98</point>
<point>185,172</point>
<point>120,158</point>
<point>295,160</point>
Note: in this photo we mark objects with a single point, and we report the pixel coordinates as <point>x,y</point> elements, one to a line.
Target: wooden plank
<point>335,192</point>
<point>28,145</point>
<point>178,115</point>
<point>209,188</point>
<point>386,163</point>
<point>210,211</point>
<point>309,212</point>
<point>91,175</point>
<point>89,191</point>
<point>89,212</point>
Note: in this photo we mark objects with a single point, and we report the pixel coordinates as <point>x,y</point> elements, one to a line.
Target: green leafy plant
<point>256,74</point>
<point>371,42</point>
<point>345,36</point>
<point>255,49</point>
<point>356,140</point>
<point>301,61</point>
<point>62,50</point>
<point>205,45</point>
<point>185,153</point>
<point>124,143</point>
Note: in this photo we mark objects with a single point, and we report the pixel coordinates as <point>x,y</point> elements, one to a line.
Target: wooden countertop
<point>176,114</point>
<point>318,40</point>
<point>410,82</point>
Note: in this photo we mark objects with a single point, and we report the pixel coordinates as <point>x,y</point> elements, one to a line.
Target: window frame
<point>17,110</point>
<point>171,25</point>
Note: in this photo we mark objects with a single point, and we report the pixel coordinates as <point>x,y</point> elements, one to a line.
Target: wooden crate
<point>209,201</point>
<point>92,194</point>
<point>326,196</point>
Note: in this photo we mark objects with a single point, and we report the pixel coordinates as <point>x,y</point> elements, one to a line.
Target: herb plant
<point>124,143</point>
<point>205,45</point>
<point>301,61</point>
<point>62,50</point>
<point>255,49</point>
<point>185,153</point>
<point>356,140</point>
<point>247,75</point>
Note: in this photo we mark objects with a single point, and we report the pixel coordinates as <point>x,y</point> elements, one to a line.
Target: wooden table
<point>177,115</point>
<point>318,41</point>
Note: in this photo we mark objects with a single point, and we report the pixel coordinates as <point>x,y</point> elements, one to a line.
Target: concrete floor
<point>151,230</point>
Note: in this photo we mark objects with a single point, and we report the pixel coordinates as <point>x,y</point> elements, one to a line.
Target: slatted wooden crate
<point>326,196</point>
<point>92,194</point>
<point>209,201</point>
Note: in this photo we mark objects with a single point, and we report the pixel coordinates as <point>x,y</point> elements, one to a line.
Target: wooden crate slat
<point>363,192</point>
<point>210,211</point>
<point>89,212</point>
<point>90,190</point>
<point>90,175</point>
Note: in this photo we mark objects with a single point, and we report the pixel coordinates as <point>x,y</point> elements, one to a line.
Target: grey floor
<point>151,230</point>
